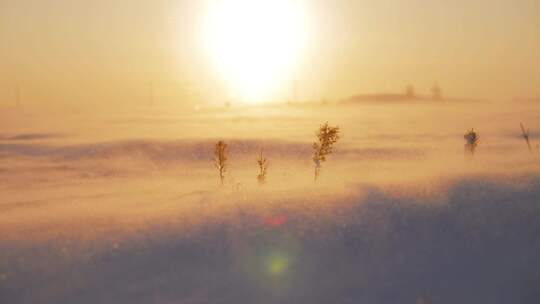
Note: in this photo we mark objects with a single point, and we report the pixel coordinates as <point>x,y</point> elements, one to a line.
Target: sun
<point>255,44</point>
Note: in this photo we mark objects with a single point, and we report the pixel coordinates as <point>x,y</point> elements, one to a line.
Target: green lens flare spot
<point>277,264</point>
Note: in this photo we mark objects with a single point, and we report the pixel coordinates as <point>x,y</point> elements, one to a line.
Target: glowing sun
<point>255,44</point>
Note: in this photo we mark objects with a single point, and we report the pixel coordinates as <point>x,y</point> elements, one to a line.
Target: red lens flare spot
<point>275,221</point>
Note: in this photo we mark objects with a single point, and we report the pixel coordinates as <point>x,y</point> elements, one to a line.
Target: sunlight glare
<point>255,44</point>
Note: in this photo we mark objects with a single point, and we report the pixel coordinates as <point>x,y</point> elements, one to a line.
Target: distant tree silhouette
<point>436,92</point>
<point>17,96</point>
<point>409,92</point>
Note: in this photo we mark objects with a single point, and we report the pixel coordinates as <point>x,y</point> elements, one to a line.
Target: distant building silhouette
<point>409,94</point>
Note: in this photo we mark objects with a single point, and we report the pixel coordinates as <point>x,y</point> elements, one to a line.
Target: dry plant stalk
<point>525,135</point>
<point>471,141</point>
<point>220,159</point>
<point>327,136</point>
<point>263,166</point>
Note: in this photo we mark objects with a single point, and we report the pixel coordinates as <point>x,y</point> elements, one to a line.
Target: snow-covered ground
<point>126,207</point>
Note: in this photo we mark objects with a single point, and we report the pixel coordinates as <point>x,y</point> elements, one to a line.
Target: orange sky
<point>103,51</point>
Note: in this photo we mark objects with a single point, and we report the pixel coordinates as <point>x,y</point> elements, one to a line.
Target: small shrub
<point>263,166</point>
<point>220,159</point>
<point>327,136</point>
<point>525,135</point>
<point>471,141</point>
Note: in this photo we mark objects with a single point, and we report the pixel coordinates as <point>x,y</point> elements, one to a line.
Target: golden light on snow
<point>254,44</point>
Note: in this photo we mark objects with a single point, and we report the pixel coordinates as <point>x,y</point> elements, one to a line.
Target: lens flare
<point>277,264</point>
<point>275,221</point>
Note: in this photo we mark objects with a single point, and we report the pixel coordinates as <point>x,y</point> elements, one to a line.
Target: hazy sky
<point>102,51</point>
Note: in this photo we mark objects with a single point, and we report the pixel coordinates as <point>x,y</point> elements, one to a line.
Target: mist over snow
<point>127,207</point>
